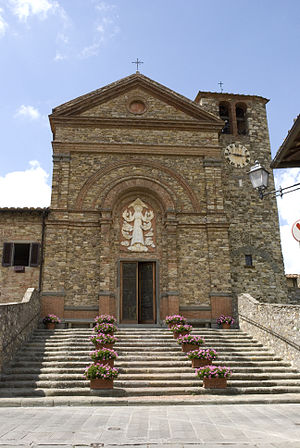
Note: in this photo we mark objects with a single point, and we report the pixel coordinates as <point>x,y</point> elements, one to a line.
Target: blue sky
<point>55,50</point>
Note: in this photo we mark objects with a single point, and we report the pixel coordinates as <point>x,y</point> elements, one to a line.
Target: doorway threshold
<point>141,326</point>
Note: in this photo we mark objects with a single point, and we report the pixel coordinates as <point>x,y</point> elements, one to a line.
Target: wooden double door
<point>138,304</point>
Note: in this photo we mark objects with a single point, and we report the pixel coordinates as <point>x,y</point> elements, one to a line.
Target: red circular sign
<point>296,230</point>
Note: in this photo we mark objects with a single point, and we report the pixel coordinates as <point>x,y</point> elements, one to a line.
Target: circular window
<point>137,107</point>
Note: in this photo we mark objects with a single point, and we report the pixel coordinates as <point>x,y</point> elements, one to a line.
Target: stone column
<point>170,300</point>
<point>107,302</point>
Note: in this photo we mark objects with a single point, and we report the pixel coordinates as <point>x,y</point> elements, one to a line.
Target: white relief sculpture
<point>135,224</point>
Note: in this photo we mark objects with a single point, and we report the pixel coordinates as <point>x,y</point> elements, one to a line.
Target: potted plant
<point>214,377</point>
<point>180,329</point>
<point>189,342</point>
<point>105,328</point>
<point>101,376</point>
<point>175,319</point>
<point>50,321</point>
<point>202,356</point>
<point>105,319</point>
<point>225,321</point>
<point>102,340</point>
<point>104,356</point>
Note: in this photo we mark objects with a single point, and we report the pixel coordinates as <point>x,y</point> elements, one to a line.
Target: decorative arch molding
<point>104,171</point>
<point>123,186</point>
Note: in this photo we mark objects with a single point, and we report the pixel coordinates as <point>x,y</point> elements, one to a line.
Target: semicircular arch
<point>138,183</point>
<point>137,162</point>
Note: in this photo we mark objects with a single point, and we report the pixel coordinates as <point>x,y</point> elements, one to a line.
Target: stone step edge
<point>162,400</point>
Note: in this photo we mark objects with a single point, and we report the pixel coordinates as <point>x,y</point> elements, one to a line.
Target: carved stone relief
<point>137,227</point>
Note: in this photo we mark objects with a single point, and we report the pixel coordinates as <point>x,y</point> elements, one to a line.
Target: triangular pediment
<point>136,97</point>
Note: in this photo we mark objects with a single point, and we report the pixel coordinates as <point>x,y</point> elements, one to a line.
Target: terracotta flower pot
<point>176,335</point>
<point>226,326</point>
<point>99,346</point>
<point>100,383</point>
<point>189,347</point>
<point>108,362</point>
<point>50,325</point>
<point>200,362</point>
<point>215,383</point>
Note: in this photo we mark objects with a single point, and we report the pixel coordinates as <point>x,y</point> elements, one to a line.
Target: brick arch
<point>140,183</point>
<point>104,171</point>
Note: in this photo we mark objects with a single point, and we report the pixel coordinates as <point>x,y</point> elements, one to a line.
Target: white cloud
<point>26,188</point>
<point>28,111</point>
<point>59,57</point>
<point>3,24</point>
<point>23,9</point>
<point>105,28</point>
<point>91,50</point>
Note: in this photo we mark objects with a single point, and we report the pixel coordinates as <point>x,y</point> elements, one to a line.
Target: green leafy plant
<point>102,371</point>
<point>103,354</point>
<point>51,318</point>
<point>213,372</point>
<point>189,339</point>
<point>203,353</point>
<point>103,339</point>
<point>105,319</point>
<point>105,328</point>
<point>175,319</point>
<point>181,328</point>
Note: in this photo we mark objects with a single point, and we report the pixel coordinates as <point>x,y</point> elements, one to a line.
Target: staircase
<point>152,366</point>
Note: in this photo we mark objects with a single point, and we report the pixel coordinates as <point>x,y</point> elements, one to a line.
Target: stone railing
<point>274,325</point>
<point>18,320</point>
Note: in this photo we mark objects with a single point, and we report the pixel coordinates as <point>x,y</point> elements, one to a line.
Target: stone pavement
<point>210,426</point>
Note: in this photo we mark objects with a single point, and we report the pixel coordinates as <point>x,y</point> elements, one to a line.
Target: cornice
<point>127,148</point>
<point>228,96</point>
<point>135,122</point>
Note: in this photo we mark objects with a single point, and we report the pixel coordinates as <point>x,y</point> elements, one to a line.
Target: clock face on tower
<point>237,155</point>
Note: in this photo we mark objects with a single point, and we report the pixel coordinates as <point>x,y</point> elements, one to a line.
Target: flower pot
<point>99,346</point>
<point>50,325</point>
<point>176,335</point>
<point>226,326</point>
<point>189,347</point>
<point>200,362</point>
<point>215,383</point>
<point>100,383</point>
<point>108,362</point>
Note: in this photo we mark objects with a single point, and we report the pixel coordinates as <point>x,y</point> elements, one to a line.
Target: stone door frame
<point>157,287</point>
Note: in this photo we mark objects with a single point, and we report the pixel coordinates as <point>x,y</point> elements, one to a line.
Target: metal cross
<point>221,85</point>
<point>137,62</point>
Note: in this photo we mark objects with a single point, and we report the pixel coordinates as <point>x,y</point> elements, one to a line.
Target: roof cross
<point>221,85</point>
<point>137,62</point>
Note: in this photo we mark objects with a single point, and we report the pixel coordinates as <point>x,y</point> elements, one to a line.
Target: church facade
<point>152,211</point>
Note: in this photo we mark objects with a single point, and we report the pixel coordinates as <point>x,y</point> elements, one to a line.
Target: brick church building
<point>152,211</point>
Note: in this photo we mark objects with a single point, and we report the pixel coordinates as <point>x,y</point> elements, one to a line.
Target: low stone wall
<point>17,322</point>
<point>274,325</point>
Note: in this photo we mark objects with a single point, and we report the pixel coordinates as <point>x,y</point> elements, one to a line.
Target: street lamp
<point>259,177</point>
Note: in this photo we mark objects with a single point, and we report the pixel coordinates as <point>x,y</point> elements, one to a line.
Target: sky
<point>55,50</point>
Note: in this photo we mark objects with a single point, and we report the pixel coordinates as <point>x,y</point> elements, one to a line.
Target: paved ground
<point>211,426</point>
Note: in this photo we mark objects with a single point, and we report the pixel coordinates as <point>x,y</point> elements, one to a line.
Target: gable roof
<point>77,106</point>
<point>288,155</point>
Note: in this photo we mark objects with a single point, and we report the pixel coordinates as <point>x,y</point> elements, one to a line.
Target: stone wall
<point>18,320</point>
<point>18,226</point>
<point>254,226</point>
<point>274,325</point>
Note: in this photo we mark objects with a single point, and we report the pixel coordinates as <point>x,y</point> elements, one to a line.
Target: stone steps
<point>77,369</point>
<point>146,375</point>
<point>150,392</point>
<point>151,363</point>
